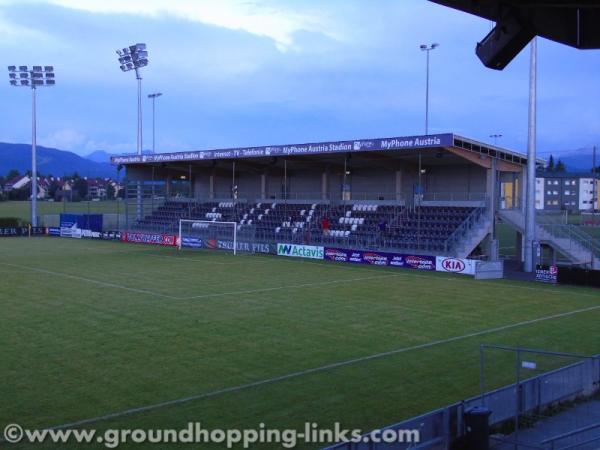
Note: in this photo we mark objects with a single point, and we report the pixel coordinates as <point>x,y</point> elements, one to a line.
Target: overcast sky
<point>257,72</point>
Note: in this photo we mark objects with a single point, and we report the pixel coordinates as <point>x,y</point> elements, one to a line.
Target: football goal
<point>207,234</point>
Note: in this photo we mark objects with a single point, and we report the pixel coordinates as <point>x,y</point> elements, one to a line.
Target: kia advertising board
<point>456,265</point>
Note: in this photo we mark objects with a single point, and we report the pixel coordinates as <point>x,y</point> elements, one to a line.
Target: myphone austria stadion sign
<point>385,144</point>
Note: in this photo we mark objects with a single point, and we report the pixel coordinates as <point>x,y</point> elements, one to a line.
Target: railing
<point>454,196</point>
<point>446,424</point>
<point>550,444</point>
<point>554,225</point>
<point>463,229</point>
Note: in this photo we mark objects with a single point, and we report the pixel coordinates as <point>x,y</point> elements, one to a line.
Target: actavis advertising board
<point>301,251</point>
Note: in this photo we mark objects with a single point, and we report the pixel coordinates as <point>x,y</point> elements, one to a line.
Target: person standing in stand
<point>325,226</point>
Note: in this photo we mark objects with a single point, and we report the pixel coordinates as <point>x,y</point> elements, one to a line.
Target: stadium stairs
<point>447,230</point>
<point>578,247</point>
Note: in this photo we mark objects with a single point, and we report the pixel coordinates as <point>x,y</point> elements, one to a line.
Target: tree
<point>110,191</point>
<point>550,166</point>
<point>12,174</point>
<point>560,167</point>
<point>52,189</point>
<point>80,187</point>
<point>20,194</point>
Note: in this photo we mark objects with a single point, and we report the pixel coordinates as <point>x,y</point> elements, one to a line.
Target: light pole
<point>427,49</point>
<point>529,259</point>
<point>154,97</point>
<point>495,137</point>
<point>23,76</point>
<point>134,58</point>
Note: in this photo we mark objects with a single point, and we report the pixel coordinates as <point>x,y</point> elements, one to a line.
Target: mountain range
<point>52,161</point>
<point>577,160</point>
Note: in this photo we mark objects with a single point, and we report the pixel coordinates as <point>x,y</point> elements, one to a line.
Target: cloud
<point>64,139</point>
<point>278,23</point>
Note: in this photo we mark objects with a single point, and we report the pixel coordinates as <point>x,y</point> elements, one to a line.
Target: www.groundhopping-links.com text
<point>194,433</point>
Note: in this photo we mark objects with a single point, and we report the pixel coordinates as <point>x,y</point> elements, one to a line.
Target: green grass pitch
<point>22,209</point>
<point>89,328</point>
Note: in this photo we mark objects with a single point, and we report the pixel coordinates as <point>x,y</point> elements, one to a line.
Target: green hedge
<point>6,222</point>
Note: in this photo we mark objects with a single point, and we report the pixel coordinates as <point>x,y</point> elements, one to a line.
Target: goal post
<point>197,233</point>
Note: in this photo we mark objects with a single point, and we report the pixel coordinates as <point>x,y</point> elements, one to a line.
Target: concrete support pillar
<point>515,186</point>
<point>211,186</point>
<point>263,186</point>
<point>399,195</point>
<point>492,198</point>
<point>324,186</point>
<point>522,189</point>
<point>169,182</point>
<point>519,247</point>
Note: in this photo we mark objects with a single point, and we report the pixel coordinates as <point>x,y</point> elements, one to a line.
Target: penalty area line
<point>314,370</point>
<point>90,280</point>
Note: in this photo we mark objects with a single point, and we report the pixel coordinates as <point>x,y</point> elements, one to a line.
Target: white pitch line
<point>293,286</point>
<point>90,280</point>
<point>323,368</point>
<point>218,294</point>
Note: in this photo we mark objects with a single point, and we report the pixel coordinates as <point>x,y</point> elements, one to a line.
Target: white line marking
<point>293,286</point>
<point>323,368</point>
<point>217,294</point>
<point>91,280</point>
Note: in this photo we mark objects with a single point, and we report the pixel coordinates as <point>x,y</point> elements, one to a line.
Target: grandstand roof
<point>461,146</point>
<point>569,22</point>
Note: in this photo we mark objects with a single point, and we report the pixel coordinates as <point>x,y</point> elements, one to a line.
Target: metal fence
<point>557,409</point>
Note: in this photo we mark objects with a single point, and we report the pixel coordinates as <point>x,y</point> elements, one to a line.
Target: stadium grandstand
<point>436,194</point>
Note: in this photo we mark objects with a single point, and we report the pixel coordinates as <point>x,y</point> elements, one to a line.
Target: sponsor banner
<point>456,265</point>
<point>150,238</point>
<point>418,262</point>
<point>23,231</point>
<point>54,231</point>
<point>300,251</point>
<point>91,222</point>
<point>91,234</point>
<point>386,144</point>
<point>111,235</point>
<point>191,242</point>
<point>251,247</point>
<point>546,274</point>
<point>81,225</point>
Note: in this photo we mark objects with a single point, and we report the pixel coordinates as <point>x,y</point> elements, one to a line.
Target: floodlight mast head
<point>36,76</point>
<point>133,57</point>
<point>23,76</point>
<point>427,48</point>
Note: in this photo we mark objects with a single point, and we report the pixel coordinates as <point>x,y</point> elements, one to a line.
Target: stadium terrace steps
<point>471,240</point>
<point>357,225</point>
<point>567,243</point>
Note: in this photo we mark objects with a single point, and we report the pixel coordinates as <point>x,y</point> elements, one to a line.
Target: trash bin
<point>477,424</point>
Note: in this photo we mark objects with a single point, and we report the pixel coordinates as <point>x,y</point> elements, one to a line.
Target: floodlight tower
<point>134,58</point>
<point>495,137</point>
<point>427,49</point>
<point>34,77</point>
<point>154,97</point>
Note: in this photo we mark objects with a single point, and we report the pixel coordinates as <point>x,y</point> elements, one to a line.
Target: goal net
<point>207,234</point>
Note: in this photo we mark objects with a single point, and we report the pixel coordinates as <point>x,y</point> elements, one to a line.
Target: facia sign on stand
<point>317,148</point>
<point>300,251</point>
